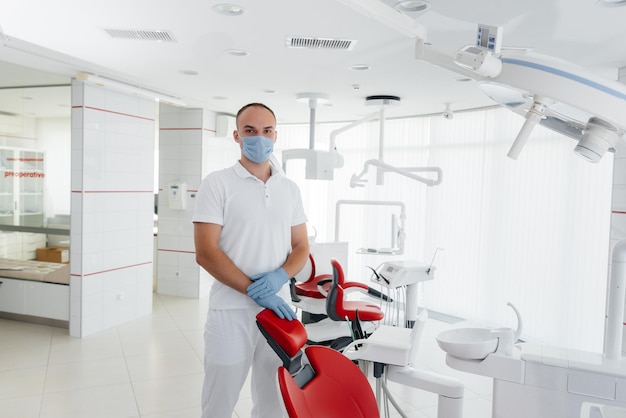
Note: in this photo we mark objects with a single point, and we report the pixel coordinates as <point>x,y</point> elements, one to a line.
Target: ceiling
<point>48,43</point>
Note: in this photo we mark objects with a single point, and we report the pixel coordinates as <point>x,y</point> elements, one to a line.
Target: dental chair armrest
<point>292,290</point>
<point>320,286</point>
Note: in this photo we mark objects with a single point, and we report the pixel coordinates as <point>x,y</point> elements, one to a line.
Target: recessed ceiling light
<point>236,52</point>
<point>412,6</point>
<point>220,97</point>
<point>188,72</point>
<point>228,9</point>
<point>268,91</point>
<point>359,67</point>
<point>463,79</point>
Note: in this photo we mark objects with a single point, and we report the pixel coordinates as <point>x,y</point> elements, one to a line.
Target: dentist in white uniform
<point>250,235</point>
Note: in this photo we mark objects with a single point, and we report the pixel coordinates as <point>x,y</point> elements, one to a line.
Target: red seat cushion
<point>338,390</point>
<point>309,288</point>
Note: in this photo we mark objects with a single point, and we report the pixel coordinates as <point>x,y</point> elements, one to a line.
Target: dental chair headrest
<point>286,338</point>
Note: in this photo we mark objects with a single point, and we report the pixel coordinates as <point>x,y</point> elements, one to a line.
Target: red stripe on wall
<point>112,111</point>
<point>176,251</point>
<point>110,270</point>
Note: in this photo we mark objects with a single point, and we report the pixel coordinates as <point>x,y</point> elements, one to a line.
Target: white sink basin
<point>468,343</point>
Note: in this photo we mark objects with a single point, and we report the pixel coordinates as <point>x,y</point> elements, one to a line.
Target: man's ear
<point>236,136</point>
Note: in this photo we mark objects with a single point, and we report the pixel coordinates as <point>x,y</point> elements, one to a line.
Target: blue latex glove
<point>279,306</point>
<point>267,284</point>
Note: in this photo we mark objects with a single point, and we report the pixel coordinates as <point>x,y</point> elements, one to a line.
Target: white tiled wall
<point>112,205</point>
<point>183,137</point>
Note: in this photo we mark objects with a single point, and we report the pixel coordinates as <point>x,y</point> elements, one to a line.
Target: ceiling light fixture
<point>359,67</point>
<point>236,52</point>
<point>412,6</point>
<point>227,9</point>
<point>188,72</point>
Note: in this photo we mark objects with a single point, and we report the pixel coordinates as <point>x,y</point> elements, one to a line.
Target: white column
<point>111,210</point>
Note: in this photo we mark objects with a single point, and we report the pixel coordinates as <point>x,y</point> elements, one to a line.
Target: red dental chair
<point>339,308</point>
<point>316,286</point>
<point>326,325</point>
<point>315,381</point>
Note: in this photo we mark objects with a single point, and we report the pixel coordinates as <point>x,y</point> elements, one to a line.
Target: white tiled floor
<point>152,368</point>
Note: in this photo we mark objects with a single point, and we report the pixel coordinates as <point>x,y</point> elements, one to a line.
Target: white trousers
<point>232,345</point>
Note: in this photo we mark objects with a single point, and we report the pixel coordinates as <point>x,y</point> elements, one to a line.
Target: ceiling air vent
<point>321,43</point>
<point>141,34</point>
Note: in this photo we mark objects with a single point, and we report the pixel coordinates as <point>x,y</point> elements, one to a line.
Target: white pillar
<point>111,210</point>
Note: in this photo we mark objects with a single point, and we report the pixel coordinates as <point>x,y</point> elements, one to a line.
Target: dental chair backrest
<point>340,309</point>
<point>316,381</point>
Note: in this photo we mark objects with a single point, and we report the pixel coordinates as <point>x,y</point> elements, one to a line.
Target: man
<point>250,235</point>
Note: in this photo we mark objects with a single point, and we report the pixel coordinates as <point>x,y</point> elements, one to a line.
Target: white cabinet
<point>47,300</point>
<point>21,187</point>
<point>25,297</point>
<point>12,296</point>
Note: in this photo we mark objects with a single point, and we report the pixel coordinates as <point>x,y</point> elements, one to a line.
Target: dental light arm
<point>333,134</point>
<point>359,181</point>
<point>533,116</point>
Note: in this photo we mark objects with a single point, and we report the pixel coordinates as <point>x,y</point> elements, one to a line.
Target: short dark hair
<point>253,105</point>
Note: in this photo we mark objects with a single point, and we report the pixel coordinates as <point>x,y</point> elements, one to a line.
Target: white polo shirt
<point>256,220</point>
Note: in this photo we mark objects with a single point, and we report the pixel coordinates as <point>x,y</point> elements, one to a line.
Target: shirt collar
<point>241,171</point>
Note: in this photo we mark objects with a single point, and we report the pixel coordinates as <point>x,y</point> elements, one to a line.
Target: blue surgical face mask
<point>257,148</point>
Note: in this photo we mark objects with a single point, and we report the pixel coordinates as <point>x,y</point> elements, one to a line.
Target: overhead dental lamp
<point>320,164</point>
<point>562,97</point>
<point>557,94</point>
<point>598,137</point>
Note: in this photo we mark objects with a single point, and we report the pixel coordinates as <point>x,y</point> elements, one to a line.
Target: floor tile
<point>99,402</point>
<point>168,394</point>
<point>22,382</point>
<point>86,374</point>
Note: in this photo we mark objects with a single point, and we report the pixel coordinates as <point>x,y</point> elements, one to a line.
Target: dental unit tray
<point>393,274</point>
